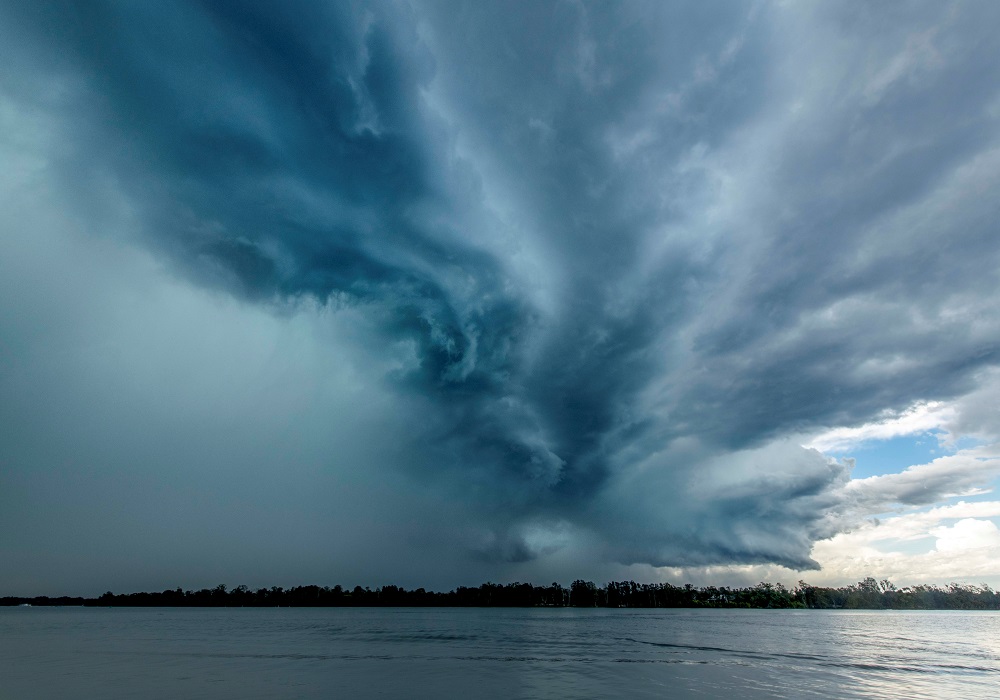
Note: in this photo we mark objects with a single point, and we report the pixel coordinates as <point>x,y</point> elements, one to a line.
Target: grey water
<point>495,653</point>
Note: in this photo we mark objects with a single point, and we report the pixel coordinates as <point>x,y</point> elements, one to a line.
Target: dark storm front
<point>495,653</point>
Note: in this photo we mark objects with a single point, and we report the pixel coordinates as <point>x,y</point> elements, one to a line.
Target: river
<point>223,653</point>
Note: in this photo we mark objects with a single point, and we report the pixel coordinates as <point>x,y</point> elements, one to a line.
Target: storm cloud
<point>575,277</point>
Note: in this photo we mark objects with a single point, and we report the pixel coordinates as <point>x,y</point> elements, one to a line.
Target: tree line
<point>870,594</point>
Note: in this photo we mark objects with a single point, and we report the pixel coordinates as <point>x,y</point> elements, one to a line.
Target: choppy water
<point>495,653</point>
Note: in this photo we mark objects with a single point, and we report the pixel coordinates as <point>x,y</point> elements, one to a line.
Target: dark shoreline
<point>869,594</point>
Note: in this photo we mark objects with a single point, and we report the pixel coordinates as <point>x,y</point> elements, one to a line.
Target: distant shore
<point>870,594</point>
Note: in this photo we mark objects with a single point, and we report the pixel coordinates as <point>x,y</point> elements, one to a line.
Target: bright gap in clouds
<point>954,538</point>
<point>893,455</point>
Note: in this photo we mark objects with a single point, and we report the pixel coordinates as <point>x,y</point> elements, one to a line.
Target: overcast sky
<point>434,293</point>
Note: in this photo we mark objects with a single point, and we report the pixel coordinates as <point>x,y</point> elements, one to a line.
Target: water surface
<point>495,653</point>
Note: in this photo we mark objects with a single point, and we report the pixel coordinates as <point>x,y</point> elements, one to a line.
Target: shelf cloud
<point>507,286</point>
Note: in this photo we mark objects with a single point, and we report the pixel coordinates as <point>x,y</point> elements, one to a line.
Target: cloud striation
<point>608,261</point>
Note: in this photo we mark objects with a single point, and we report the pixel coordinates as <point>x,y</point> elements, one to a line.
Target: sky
<point>435,293</point>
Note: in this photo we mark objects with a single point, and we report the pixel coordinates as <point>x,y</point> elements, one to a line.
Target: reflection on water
<point>495,653</point>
